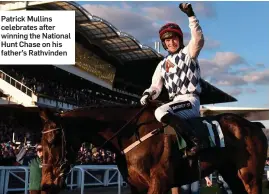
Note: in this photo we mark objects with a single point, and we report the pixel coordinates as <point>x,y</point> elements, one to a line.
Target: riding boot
<point>183,129</point>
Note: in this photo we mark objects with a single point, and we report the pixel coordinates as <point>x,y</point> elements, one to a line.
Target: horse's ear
<point>45,114</point>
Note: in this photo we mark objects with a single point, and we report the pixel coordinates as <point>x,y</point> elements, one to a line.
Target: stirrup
<point>191,152</point>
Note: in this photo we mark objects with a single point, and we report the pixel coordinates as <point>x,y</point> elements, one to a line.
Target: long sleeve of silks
<point>197,38</point>
<point>157,82</point>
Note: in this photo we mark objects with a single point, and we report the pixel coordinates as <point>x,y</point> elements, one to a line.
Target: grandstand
<point>111,77</point>
<point>106,69</point>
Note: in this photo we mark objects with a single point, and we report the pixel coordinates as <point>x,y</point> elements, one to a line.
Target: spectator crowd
<point>79,95</point>
<point>76,95</point>
<point>9,149</point>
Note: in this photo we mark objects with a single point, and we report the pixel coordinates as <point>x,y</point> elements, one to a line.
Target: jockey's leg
<point>184,129</point>
<point>177,120</point>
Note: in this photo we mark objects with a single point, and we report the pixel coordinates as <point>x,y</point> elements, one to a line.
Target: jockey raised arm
<point>179,72</point>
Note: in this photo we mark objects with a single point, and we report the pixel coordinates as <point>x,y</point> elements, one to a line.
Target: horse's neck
<point>129,132</point>
<point>100,125</point>
<point>106,137</point>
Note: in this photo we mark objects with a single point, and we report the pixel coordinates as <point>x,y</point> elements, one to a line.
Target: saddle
<point>207,129</point>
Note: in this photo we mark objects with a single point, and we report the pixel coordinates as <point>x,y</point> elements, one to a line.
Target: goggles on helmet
<point>170,27</point>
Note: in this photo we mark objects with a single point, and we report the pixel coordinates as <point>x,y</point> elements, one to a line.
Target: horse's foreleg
<point>158,186</point>
<point>46,176</point>
<point>159,176</point>
<point>159,180</point>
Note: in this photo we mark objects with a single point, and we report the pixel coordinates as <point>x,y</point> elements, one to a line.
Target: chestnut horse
<point>149,159</point>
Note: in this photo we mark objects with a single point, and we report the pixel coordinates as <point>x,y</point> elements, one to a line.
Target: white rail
<point>7,171</point>
<point>84,171</point>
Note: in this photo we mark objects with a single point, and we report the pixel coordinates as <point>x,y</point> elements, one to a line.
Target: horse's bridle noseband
<point>43,132</point>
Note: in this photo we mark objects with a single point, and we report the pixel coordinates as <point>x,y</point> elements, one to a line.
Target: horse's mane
<point>104,106</point>
<point>153,104</point>
<point>101,109</point>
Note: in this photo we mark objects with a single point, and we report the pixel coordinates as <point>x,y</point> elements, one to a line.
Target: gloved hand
<point>144,99</point>
<point>146,96</point>
<point>187,9</point>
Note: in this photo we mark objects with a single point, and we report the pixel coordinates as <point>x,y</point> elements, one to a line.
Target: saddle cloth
<point>207,129</point>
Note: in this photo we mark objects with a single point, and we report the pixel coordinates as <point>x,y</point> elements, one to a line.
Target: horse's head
<point>54,163</point>
<point>51,132</point>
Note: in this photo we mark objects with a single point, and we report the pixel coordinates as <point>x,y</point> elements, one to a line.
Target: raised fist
<point>186,8</point>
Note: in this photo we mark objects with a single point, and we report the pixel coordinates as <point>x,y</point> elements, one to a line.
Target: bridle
<point>63,160</point>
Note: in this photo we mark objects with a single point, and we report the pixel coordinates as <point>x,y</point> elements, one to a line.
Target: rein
<point>125,125</point>
<point>139,140</point>
<point>130,120</point>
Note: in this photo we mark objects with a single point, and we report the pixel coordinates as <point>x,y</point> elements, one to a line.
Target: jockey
<point>180,73</point>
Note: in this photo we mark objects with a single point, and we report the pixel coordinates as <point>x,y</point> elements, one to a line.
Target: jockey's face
<point>172,44</point>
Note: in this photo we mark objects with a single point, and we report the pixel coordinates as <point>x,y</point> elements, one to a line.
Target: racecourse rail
<point>78,177</point>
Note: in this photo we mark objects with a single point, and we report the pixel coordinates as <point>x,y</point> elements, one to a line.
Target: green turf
<point>210,190</point>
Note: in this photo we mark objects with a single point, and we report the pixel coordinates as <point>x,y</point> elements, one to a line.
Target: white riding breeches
<point>184,113</point>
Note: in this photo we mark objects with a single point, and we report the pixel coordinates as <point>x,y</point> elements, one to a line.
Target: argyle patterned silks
<point>183,77</point>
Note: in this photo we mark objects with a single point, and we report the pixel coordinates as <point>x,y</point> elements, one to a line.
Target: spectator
<point>224,188</point>
<point>193,188</point>
<point>21,154</point>
<point>36,172</point>
<point>208,182</point>
<point>267,168</point>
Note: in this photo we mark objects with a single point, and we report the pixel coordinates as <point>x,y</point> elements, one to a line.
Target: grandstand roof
<point>98,31</point>
<point>123,50</point>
